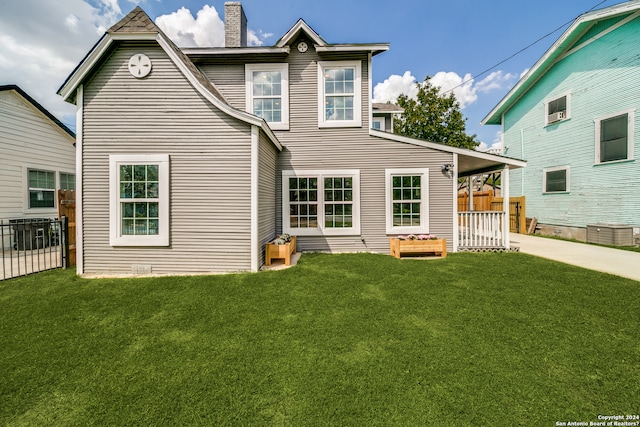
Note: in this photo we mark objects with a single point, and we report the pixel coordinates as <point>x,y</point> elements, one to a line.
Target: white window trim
<point>357,96</point>
<point>321,230</point>
<point>424,207</point>
<point>381,120</point>
<point>115,223</point>
<point>249,69</point>
<point>27,209</point>
<point>554,169</point>
<point>567,115</point>
<point>630,140</point>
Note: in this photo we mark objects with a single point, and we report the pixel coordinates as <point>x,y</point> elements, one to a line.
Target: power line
<point>521,50</point>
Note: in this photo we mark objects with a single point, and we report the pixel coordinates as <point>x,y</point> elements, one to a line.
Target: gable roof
<point>38,107</point>
<point>138,26</point>
<point>582,32</point>
<point>322,46</point>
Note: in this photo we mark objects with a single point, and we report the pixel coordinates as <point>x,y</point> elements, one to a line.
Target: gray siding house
<point>192,159</point>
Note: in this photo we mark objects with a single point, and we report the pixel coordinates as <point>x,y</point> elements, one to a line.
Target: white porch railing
<point>481,229</point>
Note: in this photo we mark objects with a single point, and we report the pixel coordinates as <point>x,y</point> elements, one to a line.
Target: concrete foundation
<point>575,233</point>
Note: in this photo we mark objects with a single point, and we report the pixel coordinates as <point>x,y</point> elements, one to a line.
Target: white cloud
<point>394,86</point>
<point>464,88</point>
<point>42,41</point>
<point>496,146</point>
<point>206,30</point>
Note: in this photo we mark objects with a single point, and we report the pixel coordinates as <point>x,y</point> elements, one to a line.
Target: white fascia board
<point>235,50</point>
<point>70,86</point>
<point>376,48</point>
<point>226,108</point>
<point>448,149</point>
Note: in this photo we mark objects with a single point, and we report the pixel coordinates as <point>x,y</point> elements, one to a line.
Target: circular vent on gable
<point>139,65</point>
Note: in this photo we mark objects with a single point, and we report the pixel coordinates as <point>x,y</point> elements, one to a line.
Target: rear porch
<point>485,223</point>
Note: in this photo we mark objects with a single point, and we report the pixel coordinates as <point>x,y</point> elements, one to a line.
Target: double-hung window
<point>407,200</point>
<point>267,93</point>
<point>614,137</point>
<point>321,202</point>
<point>139,193</point>
<point>42,188</point>
<point>555,180</point>
<point>339,93</point>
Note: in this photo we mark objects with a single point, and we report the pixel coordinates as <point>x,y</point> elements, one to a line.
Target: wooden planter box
<point>399,247</point>
<point>273,251</point>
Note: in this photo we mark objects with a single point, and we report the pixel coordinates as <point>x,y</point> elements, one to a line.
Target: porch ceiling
<point>481,163</point>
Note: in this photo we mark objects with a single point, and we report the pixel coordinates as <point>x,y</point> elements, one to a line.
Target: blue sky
<point>41,41</point>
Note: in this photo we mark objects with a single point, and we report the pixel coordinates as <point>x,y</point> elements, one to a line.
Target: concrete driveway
<point>614,261</point>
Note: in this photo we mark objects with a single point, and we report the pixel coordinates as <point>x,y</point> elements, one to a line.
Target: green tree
<point>433,117</point>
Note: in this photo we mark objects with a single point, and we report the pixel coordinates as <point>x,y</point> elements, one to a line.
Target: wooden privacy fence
<point>481,201</point>
<point>67,207</point>
<point>517,213</point>
<point>485,201</point>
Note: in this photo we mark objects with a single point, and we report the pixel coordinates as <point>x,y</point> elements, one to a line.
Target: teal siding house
<point>573,118</point>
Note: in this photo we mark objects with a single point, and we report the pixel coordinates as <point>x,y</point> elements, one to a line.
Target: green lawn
<point>357,339</point>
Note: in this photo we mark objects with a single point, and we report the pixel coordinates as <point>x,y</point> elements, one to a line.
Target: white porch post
<point>456,220</point>
<point>506,207</point>
<point>470,188</point>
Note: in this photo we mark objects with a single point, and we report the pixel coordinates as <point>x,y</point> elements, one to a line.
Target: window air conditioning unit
<point>555,117</point>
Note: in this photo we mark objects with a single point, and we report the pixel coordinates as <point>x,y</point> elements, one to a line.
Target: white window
<point>556,180</point>
<point>67,181</point>
<point>614,137</point>
<point>139,195</point>
<point>339,94</point>
<point>321,202</point>
<point>557,109</point>
<point>378,123</point>
<point>407,200</point>
<point>267,93</point>
<point>42,188</point>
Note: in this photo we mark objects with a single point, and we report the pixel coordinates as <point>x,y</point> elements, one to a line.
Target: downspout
<point>522,157</point>
<point>370,91</point>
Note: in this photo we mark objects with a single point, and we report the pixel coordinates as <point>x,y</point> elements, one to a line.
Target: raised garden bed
<point>280,248</point>
<point>400,246</point>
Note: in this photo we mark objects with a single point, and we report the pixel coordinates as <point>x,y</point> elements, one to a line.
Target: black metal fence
<point>30,245</point>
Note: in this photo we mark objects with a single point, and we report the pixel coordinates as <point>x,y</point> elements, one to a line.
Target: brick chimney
<point>235,25</point>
